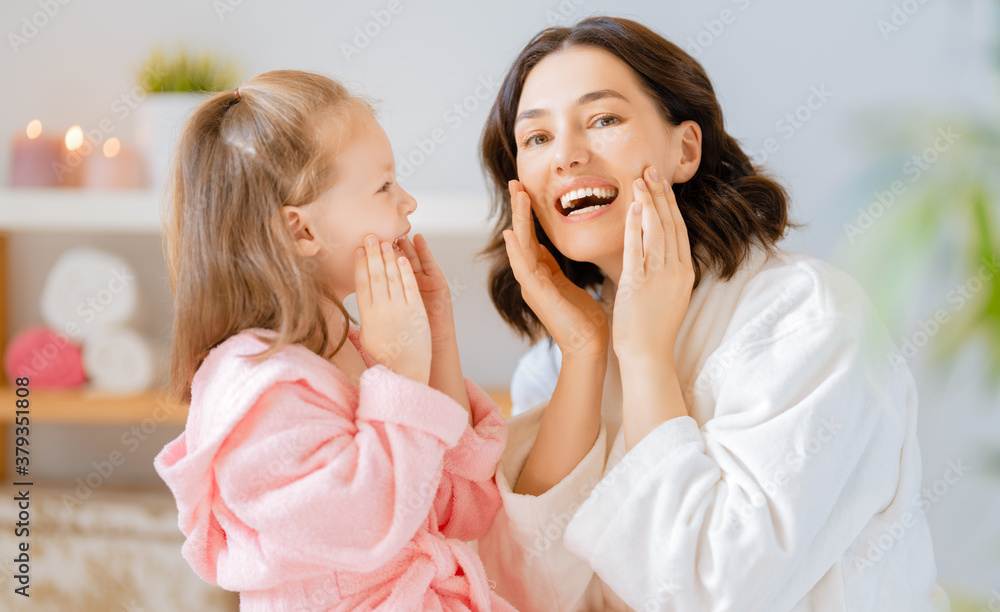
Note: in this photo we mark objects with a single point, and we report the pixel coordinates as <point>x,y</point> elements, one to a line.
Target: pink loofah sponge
<point>48,358</point>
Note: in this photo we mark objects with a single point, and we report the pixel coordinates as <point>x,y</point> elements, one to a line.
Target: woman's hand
<point>572,316</point>
<point>394,327</point>
<point>657,276</point>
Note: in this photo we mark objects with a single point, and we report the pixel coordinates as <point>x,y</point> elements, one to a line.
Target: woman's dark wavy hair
<point>728,205</point>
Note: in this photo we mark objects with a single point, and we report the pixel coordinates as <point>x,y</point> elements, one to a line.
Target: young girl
<point>312,475</point>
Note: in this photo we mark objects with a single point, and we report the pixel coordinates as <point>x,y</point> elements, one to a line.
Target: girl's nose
<point>407,202</point>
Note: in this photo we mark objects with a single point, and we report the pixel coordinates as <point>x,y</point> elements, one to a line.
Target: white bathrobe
<point>793,485</point>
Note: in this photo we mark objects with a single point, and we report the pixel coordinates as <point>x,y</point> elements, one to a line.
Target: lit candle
<point>69,170</point>
<point>34,156</point>
<point>115,167</point>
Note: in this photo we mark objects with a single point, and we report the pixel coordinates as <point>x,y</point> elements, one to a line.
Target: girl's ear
<point>297,218</point>
<point>688,135</point>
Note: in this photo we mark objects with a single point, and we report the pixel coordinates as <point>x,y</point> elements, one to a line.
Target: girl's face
<point>585,126</point>
<point>366,199</point>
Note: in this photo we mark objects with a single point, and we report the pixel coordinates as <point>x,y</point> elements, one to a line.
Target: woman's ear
<point>688,139</point>
<point>297,219</point>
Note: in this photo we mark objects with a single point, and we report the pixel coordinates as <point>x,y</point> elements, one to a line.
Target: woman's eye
<point>606,120</point>
<point>534,140</point>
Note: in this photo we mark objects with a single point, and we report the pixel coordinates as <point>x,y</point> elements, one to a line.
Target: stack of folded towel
<point>88,300</point>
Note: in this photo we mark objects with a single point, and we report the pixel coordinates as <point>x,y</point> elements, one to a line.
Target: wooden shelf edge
<point>87,406</point>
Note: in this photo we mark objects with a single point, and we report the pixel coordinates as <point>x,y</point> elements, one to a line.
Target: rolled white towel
<point>88,288</point>
<point>117,358</point>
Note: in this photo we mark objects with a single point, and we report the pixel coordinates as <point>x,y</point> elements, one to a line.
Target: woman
<point>721,429</point>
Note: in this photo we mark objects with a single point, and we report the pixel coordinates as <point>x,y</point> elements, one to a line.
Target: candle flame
<point>34,129</point>
<point>74,138</point>
<point>112,146</point>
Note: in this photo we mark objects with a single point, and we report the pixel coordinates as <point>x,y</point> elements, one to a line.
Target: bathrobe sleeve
<point>467,498</point>
<point>751,510</point>
<point>320,483</point>
<point>523,551</point>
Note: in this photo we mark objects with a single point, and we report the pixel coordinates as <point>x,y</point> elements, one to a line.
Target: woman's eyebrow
<point>584,99</point>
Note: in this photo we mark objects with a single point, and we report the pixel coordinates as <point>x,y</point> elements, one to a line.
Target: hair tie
<point>237,94</point>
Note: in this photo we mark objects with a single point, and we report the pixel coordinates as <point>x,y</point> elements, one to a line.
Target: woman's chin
<point>583,251</point>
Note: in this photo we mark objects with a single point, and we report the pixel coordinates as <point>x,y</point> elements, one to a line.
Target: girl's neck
<point>336,324</point>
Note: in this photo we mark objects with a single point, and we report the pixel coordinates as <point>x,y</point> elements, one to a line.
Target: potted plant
<point>174,85</point>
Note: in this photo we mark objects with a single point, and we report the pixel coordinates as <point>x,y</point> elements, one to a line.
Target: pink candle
<point>34,157</point>
<point>114,167</point>
<point>69,170</point>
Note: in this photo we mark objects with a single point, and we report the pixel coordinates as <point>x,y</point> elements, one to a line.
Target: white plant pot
<point>159,121</point>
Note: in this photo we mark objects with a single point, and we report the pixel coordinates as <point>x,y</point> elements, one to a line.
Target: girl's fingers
<point>411,291</point>
<point>376,270</point>
<point>427,262</point>
<point>362,287</point>
<point>410,250</point>
<point>632,262</point>
<point>683,243</point>
<point>393,284</point>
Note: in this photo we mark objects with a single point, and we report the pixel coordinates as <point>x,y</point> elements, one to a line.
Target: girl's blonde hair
<point>233,265</point>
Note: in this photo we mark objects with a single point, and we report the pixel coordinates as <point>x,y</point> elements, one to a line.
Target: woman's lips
<point>586,214</point>
<point>581,199</point>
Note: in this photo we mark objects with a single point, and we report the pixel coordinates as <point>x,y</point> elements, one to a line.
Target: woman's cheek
<point>628,151</point>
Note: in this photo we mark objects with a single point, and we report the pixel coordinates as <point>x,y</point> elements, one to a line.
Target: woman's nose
<point>572,150</point>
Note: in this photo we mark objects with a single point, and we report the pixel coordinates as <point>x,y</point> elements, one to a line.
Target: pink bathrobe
<point>304,492</point>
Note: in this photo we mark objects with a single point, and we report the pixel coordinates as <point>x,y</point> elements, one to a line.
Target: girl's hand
<point>434,291</point>
<point>657,276</point>
<point>572,316</point>
<point>394,327</point>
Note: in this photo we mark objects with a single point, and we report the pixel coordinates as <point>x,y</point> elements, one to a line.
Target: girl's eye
<point>534,140</point>
<point>606,120</point>
<point>386,186</point>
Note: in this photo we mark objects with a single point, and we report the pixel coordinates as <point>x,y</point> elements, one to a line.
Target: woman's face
<point>585,123</point>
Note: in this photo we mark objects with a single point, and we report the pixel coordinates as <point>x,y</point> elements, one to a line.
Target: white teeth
<point>601,192</point>
<point>588,209</point>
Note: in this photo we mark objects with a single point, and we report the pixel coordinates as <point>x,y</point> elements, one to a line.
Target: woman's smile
<point>584,198</point>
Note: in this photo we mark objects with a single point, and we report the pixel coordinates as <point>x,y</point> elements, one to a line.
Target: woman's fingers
<point>652,229</point>
<point>683,243</point>
<point>658,189</point>
<point>521,220</point>
<point>516,256</point>
<point>632,262</point>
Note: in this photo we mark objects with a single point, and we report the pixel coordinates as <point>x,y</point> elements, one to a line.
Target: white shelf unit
<point>139,211</point>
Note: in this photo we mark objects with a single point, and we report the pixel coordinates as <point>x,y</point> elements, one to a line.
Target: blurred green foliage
<point>183,72</point>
